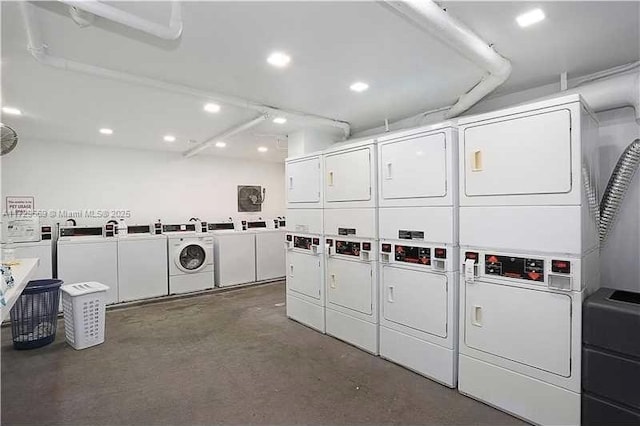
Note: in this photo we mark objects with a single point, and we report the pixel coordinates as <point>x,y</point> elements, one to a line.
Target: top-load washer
<point>269,249</point>
<point>190,258</point>
<point>529,240</point>
<point>27,238</point>
<point>142,264</point>
<point>234,254</point>
<point>85,254</point>
<point>418,210</point>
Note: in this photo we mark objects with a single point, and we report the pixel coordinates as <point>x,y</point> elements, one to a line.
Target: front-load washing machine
<point>85,254</point>
<point>305,280</point>
<point>28,239</point>
<point>190,257</point>
<point>352,291</point>
<point>270,252</point>
<point>234,254</point>
<point>142,264</point>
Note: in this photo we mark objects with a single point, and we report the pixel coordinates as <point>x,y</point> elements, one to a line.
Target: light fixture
<point>359,86</point>
<point>279,59</point>
<point>169,138</point>
<point>11,111</point>
<point>221,144</point>
<point>263,149</point>
<point>211,107</point>
<point>530,18</point>
<point>106,131</point>
<point>279,120</point>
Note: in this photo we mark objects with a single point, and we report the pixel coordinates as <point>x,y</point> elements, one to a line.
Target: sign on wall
<point>19,205</point>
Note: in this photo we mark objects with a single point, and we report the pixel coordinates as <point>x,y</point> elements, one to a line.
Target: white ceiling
<point>332,44</point>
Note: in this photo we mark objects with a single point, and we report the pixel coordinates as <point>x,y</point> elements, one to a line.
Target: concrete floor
<point>230,358</point>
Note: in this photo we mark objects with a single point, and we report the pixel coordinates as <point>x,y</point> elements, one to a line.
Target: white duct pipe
<point>438,23</point>
<point>172,32</point>
<point>38,49</point>
<point>224,135</point>
<point>614,92</point>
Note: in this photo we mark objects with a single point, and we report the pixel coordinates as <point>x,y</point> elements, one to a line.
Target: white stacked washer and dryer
<point>528,234</point>
<point>419,268</point>
<point>305,260</point>
<point>190,257</point>
<point>350,230</point>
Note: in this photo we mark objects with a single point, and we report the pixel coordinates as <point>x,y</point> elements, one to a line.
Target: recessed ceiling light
<point>211,107</point>
<point>279,120</point>
<point>263,149</point>
<point>106,131</point>
<point>279,59</point>
<point>169,138</point>
<point>359,86</point>
<point>11,111</point>
<point>221,144</point>
<point>530,18</point>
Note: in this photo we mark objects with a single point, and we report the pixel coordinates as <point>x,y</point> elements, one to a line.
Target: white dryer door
<point>531,327</point>
<point>414,168</point>
<point>348,176</point>
<point>415,299</point>
<point>304,274</point>
<point>350,285</point>
<point>191,257</point>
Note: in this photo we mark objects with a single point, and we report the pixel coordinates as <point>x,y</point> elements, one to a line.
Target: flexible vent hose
<point>617,187</point>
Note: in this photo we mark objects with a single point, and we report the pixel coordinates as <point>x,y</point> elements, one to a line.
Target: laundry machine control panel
<point>420,255</point>
<point>304,242</point>
<point>358,249</point>
<point>556,273</point>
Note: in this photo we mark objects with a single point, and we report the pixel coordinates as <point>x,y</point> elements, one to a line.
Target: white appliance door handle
<point>389,175</point>
<point>476,161</point>
<point>291,270</point>
<point>290,182</point>
<point>333,281</point>
<point>469,270</point>
<point>390,297</point>
<point>330,179</point>
<point>476,314</point>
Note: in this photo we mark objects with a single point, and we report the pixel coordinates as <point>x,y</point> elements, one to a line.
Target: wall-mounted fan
<point>8,138</point>
<point>250,198</point>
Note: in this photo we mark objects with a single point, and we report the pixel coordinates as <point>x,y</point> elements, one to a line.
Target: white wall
<point>151,184</point>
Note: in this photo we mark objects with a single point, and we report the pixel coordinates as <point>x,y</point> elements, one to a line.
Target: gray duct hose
<point>617,187</point>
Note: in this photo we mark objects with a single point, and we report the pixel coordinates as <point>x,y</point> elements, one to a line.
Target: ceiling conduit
<point>225,135</point>
<point>438,23</point>
<point>38,49</point>
<point>172,32</point>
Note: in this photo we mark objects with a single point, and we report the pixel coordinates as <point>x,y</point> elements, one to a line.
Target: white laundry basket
<point>84,307</point>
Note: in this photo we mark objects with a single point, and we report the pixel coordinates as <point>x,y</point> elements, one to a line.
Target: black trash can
<point>34,317</point>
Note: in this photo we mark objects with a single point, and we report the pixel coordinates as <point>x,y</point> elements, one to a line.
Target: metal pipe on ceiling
<point>171,32</point>
<point>429,17</point>
<point>38,49</point>
<point>224,135</point>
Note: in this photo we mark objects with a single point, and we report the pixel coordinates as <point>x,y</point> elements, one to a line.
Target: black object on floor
<point>34,317</point>
<point>611,358</point>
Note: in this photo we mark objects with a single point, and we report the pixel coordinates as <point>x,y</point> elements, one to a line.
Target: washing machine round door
<point>191,257</point>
